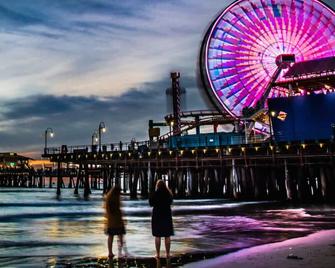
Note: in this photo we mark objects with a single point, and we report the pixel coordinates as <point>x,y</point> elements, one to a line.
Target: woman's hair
<point>161,186</point>
<point>112,200</point>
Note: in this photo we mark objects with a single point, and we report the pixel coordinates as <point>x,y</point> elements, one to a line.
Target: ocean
<point>37,229</point>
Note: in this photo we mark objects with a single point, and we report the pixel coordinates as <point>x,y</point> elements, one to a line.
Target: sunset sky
<point>70,64</point>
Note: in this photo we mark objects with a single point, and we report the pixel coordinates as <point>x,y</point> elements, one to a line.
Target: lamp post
<point>271,114</point>
<point>94,138</point>
<point>245,131</point>
<point>171,126</point>
<point>171,123</point>
<point>102,128</point>
<point>48,130</point>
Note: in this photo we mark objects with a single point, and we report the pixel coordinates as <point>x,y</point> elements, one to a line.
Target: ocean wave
<point>65,215</point>
<point>32,244</point>
<point>44,204</point>
<point>143,211</point>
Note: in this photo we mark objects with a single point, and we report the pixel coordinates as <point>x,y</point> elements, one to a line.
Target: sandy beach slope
<point>313,251</point>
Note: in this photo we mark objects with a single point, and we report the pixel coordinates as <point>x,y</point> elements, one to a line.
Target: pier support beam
<point>59,177</point>
<point>79,178</point>
<point>144,183</point>
<point>288,182</point>
<point>302,184</point>
<point>87,190</point>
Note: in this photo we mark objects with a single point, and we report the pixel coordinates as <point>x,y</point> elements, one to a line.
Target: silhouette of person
<point>114,221</point>
<point>161,221</point>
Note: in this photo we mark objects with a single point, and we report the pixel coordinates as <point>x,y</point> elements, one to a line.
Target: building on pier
<point>12,160</point>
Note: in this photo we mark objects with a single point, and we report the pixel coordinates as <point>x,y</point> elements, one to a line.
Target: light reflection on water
<point>38,225</point>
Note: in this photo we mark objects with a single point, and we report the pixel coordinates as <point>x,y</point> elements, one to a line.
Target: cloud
<point>10,17</point>
<point>74,118</point>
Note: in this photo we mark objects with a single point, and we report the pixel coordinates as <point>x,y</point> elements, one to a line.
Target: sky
<point>69,65</point>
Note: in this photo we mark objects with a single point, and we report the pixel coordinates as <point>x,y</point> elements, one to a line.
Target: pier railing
<point>121,146</point>
<point>144,146</point>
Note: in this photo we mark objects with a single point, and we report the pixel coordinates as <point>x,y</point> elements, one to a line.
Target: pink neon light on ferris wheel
<point>240,49</point>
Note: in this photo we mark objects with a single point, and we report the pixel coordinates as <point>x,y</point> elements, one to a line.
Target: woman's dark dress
<point>161,221</point>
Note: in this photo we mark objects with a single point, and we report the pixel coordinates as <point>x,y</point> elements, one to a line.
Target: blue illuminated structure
<point>303,118</point>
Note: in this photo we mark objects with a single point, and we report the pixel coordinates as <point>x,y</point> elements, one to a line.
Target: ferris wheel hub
<point>285,60</point>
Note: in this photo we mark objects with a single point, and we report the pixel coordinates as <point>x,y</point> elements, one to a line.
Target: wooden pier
<point>296,171</point>
<point>256,171</point>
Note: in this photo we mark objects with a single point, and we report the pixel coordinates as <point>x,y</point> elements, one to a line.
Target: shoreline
<point>314,250</point>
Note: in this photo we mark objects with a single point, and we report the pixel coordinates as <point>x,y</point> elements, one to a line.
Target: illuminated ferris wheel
<point>239,52</point>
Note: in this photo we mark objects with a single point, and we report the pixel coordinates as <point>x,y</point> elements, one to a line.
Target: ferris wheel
<point>239,51</point>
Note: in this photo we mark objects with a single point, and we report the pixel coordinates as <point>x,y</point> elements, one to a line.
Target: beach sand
<point>313,251</point>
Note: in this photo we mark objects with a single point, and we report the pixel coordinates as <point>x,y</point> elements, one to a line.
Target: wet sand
<point>313,251</point>
<point>131,261</point>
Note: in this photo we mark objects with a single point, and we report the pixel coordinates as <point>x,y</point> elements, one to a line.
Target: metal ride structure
<point>180,122</point>
<point>250,42</point>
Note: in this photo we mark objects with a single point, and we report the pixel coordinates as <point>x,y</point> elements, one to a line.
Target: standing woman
<point>114,223</point>
<point>161,221</point>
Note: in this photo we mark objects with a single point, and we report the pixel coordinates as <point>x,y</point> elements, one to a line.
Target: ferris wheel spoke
<point>297,22</point>
<point>252,79</point>
<point>268,21</point>
<point>317,40</point>
<point>238,87</point>
<point>260,17</point>
<point>244,26</point>
<point>240,97</point>
<point>253,20</point>
<point>243,30</point>
<point>304,31</point>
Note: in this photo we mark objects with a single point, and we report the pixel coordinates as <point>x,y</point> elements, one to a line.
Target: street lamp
<point>48,130</point>
<point>102,128</point>
<point>171,123</point>
<point>271,114</point>
<point>94,138</point>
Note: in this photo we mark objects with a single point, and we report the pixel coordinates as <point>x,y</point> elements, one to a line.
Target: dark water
<point>37,229</point>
